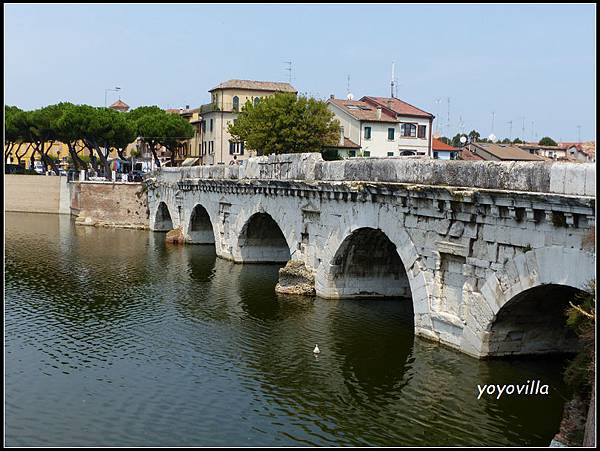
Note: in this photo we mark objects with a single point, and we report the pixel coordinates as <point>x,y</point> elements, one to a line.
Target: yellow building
<point>215,143</point>
<point>56,150</point>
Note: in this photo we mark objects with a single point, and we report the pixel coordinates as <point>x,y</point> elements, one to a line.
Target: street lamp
<point>109,89</point>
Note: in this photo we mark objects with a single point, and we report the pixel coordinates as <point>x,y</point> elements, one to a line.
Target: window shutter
<point>242,148</point>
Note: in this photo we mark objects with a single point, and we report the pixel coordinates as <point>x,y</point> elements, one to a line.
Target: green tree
<point>16,130</point>
<point>517,141</point>
<point>71,128</point>
<point>456,140</point>
<point>506,141</point>
<point>284,123</point>
<point>42,131</point>
<point>474,135</point>
<point>158,128</point>
<point>547,141</point>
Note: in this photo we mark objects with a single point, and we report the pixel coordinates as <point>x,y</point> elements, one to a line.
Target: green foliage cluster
<point>547,141</point>
<point>98,130</point>
<point>284,123</point>
<point>581,317</point>
<point>474,135</point>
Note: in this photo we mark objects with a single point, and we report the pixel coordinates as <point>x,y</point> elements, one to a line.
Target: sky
<point>533,64</point>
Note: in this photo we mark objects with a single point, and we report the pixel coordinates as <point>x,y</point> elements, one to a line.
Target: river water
<point>113,338</point>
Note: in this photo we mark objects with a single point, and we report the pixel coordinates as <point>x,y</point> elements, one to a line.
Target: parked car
<point>136,176</point>
<point>14,169</point>
<point>39,167</point>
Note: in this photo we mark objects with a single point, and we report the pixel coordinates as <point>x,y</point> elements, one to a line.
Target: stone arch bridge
<point>487,253</point>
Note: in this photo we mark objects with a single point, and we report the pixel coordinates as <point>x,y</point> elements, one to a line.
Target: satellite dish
<point>350,96</point>
<point>492,138</point>
<point>463,139</point>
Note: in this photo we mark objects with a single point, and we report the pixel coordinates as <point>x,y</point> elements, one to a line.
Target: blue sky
<point>535,62</point>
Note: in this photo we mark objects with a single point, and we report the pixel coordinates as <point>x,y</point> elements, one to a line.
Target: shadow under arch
<point>163,221</point>
<point>367,264</point>
<point>200,229</point>
<point>534,322</point>
<point>262,241</point>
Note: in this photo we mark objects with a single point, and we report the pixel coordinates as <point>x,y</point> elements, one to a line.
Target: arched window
<point>256,100</point>
<point>236,103</point>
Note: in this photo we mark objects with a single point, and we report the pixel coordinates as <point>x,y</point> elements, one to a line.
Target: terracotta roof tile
<point>362,111</point>
<point>507,152</point>
<point>398,106</point>
<point>440,145</point>
<point>256,86</point>
<point>119,105</point>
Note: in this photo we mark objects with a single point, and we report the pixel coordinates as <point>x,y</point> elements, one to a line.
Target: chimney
<point>341,136</point>
<point>331,96</point>
<point>389,103</point>
<point>378,112</point>
<point>187,107</point>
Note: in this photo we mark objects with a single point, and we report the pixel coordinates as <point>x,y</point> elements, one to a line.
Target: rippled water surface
<point>114,338</point>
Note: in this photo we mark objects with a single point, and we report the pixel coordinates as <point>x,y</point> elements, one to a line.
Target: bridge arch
<point>526,302</point>
<point>261,239</point>
<point>163,221</point>
<point>200,228</point>
<point>388,248</point>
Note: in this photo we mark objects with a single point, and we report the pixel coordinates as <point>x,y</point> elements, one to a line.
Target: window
<point>204,126</point>
<point>352,153</point>
<point>435,155</point>
<point>211,125</point>
<point>408,130</point>
<point>422,129</point>
<point>390,154</point>
<point>236,103</point>
<point>211,147</point>
<point>366,153</point>
<point>236,148</point>
<point>367,132</point>
<point>391,134</point>
<point>256,100</point>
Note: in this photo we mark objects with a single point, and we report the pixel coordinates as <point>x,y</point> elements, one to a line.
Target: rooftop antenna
<point>532,128</point>
<point>523,128</point>
<point>448,124</point>
<point>289,70</point>
<point>349,95</point>
<point>493,115</point>
<point>438,101</point>
<point>392,82</point>
<point>510,129</point>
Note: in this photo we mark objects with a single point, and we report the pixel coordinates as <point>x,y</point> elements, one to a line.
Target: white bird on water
<point>316,350</point>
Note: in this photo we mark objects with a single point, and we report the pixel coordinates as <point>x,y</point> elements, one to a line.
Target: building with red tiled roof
<point>585,151</point>
<point>119,105</point>
<point>383,127</point>
<point>443,151</point>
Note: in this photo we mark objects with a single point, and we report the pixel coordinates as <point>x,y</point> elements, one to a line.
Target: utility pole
<point>510,129</point>
<point>289,70</point>
<point>523,129</point>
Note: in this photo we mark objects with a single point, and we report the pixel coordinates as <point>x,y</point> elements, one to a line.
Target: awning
<point>189,161</point>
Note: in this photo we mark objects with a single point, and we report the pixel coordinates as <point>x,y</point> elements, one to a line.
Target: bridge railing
<point>544,177</point>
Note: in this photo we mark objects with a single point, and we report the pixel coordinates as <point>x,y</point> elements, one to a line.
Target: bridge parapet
<point>576,179</point>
